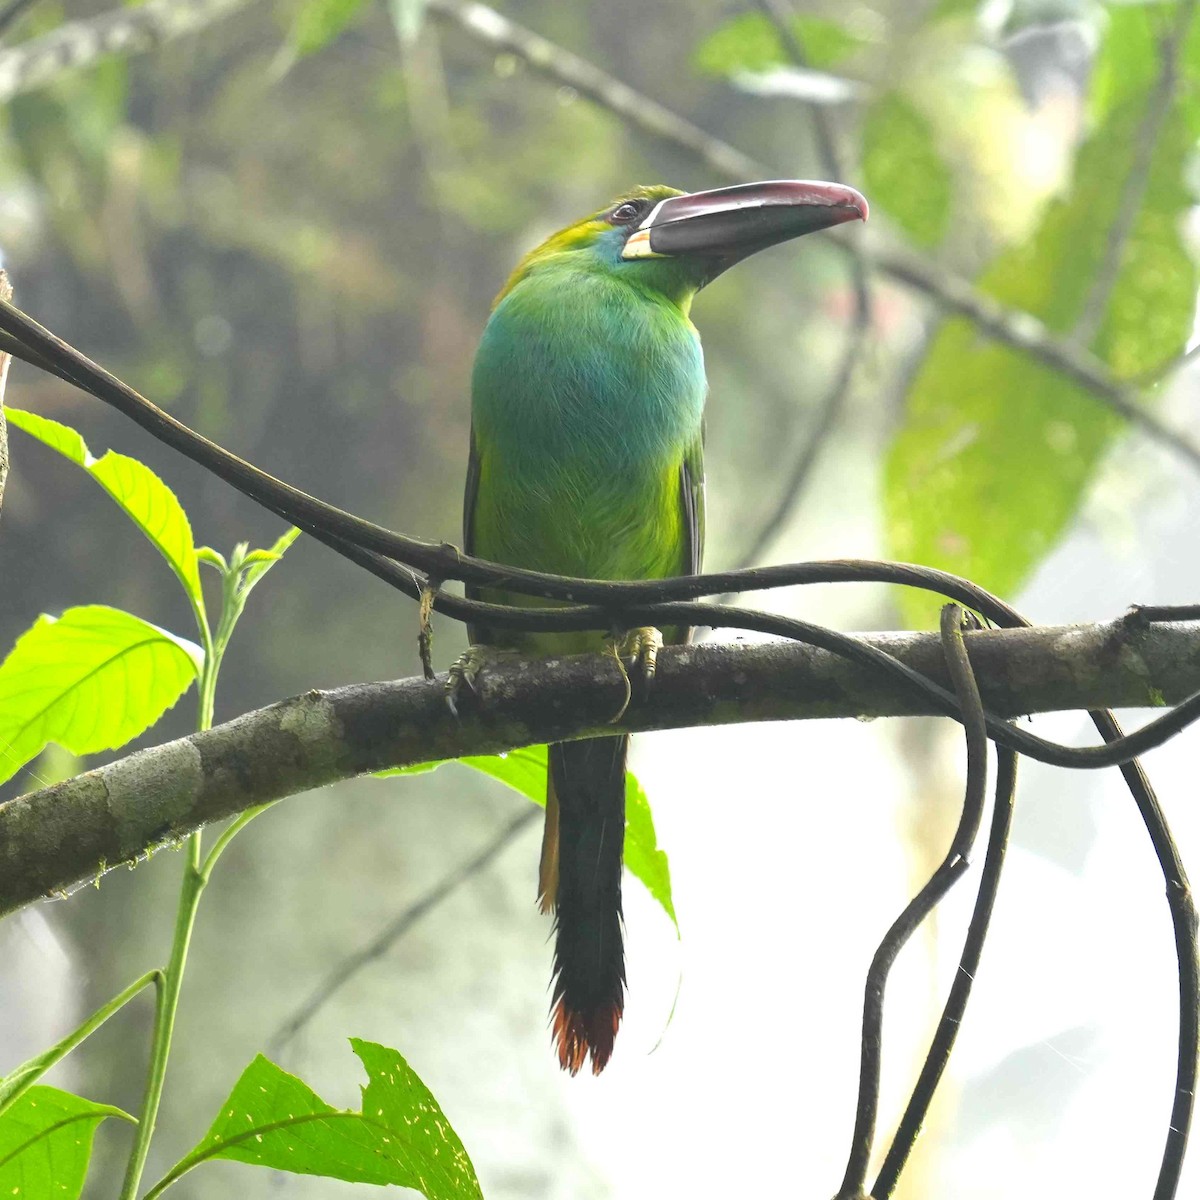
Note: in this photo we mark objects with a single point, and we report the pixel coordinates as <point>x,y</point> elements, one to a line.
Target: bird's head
<point>673,243</point>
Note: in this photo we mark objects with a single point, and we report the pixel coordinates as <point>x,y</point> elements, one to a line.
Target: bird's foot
<point>466,670</point>
<point>642,645</point>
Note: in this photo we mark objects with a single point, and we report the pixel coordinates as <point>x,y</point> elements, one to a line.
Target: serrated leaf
<point>46,1142</point>
<point>750,43</point>
<point>147,501</point>
<point>903,172</point>
<point>996,450</point>
<point>67,441</point>
<point>90,680</point>
<point>319,22</point>
<point>272,1119</point>
<point>525,771</point>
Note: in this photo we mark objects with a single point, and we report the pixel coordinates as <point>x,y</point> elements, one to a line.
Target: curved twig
<point>960,990</point>
<point>1183,923</point>
<point>955,863</point>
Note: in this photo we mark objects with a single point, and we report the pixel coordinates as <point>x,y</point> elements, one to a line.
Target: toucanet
<point>586,459</point>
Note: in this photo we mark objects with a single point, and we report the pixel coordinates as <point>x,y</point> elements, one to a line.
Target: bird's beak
<point>728,224</point>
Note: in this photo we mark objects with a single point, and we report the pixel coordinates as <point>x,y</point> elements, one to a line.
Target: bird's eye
<point>623,214</point>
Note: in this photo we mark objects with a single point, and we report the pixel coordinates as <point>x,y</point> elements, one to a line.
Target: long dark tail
<point>581,879</point>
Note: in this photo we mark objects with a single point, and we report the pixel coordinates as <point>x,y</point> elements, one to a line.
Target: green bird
<point>587,444</point>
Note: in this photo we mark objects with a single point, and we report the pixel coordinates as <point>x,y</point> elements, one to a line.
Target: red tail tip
<point>578,1034</point>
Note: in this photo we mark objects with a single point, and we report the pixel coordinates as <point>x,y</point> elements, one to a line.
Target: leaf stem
<point>169,987</point>
<point>170,983</point>
<point>228,834</point>
<point>237,579</point>
<point>18,1081</point>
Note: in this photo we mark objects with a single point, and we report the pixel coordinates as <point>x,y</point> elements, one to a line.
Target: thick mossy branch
<point>55,838</point>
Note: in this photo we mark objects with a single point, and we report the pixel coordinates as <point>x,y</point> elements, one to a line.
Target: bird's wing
<point>470,496</point>
<point>691,488</point>
<point>691,494</point>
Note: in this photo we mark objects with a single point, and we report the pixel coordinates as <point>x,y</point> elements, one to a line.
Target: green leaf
<point>751,43</point>
<point>904,174</point>
<point>996,450</point>
<point>90,680</point>
<point>1127,62</point>
<point>525,771</point>
<point>272,1119</point>
<point>643,858</point>
<point>212,558</point>
<point>46,1141</point>
<point>318,23</point>
<point>147,501</point>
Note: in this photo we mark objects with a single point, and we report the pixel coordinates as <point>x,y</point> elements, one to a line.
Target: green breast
<point>587,395</point>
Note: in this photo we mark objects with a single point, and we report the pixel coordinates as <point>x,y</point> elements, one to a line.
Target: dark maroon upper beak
<point>728,224</point>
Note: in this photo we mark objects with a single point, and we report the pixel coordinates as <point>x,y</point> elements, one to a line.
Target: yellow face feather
<point>582,234</point>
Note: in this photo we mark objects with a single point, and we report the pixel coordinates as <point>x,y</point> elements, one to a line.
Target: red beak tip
<point>855,200</point>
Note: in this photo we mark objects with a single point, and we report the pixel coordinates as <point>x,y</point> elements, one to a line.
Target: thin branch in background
<point>779,13</point>
<point>547,58</point>
<point>1137,180</point>
<point>830,410</point>
<point>12,12</point>
<point>951,868</point>
<point>960,990</point>
<point>378,946</point>
<point>1027,334</point>
<point>76,44</point>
